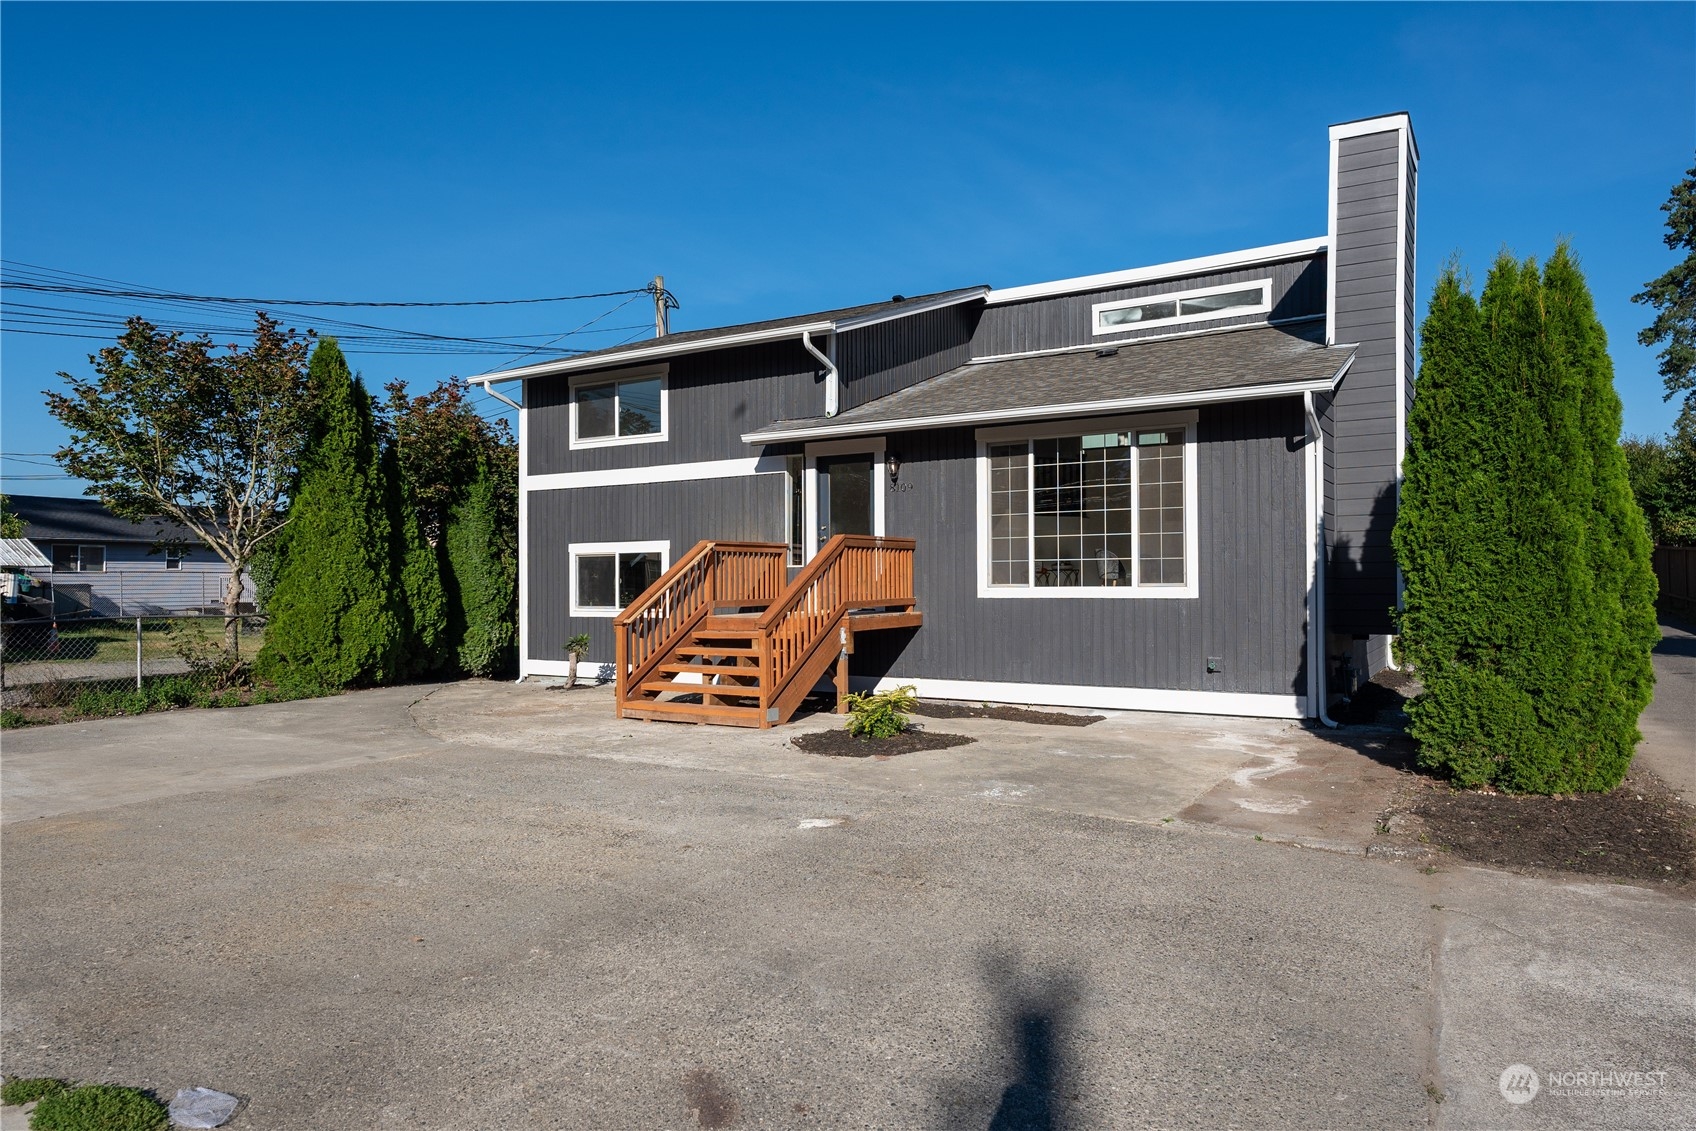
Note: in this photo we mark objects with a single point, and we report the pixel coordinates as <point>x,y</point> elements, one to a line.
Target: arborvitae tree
<point>480,581</point>
<point>1523,581</point>
<point>420,602</point>
<point>333,616</point>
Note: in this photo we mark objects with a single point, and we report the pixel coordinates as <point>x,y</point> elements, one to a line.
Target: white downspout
<point>1315,546</point>
<point>832,390</point>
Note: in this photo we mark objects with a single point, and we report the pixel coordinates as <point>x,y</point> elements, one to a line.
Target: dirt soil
<point>841,744</point>
<point>1640,831</point>
<point>1388,691</point>
<point>932,709</point>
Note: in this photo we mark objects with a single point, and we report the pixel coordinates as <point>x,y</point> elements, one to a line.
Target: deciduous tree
<point>170,426</point>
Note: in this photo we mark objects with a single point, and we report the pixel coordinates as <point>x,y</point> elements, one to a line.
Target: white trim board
<point>656,473</point>
<point>1045,412</point>
<point>1242,704</point>
<point>1230,260</point>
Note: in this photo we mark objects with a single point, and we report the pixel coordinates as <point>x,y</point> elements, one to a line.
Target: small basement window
<point>628,409</point>
<point>607,576</point>
<point>1182,307</point>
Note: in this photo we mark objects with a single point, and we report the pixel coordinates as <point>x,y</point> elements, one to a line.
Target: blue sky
<point>774,159</point>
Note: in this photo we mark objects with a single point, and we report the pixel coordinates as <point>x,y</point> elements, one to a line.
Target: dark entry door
<point>845,495</point>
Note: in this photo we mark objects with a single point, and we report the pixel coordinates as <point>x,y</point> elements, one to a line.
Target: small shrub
<point>10,718</point>
<point>881,714</point>
<point>53,692</point>
<point>98,1107</point>
<point>27,1089</point>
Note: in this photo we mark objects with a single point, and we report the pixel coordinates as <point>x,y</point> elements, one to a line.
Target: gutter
<point>1315,582</point>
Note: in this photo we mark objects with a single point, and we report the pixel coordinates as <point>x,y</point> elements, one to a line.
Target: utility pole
<point>662,320</point>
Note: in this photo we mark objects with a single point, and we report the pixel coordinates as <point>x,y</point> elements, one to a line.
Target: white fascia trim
<point>658,473</point>
<point>1249,257</point>
<point>661,349</point>
<point>1115,343</point>
<point>1241,704</point>
<point>524,661</point>
<point>907,309</point>
<point>1331,240</point>
<point>1404,138</point>
<point>1379,125</point>
<point>1044,412</point>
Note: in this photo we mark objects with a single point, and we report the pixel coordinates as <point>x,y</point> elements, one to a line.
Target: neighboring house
<point>105,565</point>
<point>1139,489</point>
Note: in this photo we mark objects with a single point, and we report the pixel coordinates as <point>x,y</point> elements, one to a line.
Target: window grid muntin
<point>1121,533</point>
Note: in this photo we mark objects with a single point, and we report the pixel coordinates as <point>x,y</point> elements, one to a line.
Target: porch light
<point>894,463</point>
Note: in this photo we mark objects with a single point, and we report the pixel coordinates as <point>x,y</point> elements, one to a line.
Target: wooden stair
<point>721,639</point>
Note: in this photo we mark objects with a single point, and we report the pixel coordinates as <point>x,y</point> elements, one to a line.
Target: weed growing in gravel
<point>98,1107</point>
<point>27,1089</point>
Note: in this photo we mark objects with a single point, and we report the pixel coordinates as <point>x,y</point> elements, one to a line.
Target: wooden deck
<point>721,639</point>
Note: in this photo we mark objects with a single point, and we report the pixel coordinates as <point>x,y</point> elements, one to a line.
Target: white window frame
<point>1161,422</point>
<point>1264,306</point>
<point>603,549</point>
<point>614,377</point>
<point>872,445</point>
<point>174,556</point>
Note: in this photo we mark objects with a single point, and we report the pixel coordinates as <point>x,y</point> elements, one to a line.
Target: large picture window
<point>623,410</point>
<point>1105,507</point>
<point>607,576</point>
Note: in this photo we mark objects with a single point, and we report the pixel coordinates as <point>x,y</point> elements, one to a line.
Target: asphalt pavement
<point>356,912</point>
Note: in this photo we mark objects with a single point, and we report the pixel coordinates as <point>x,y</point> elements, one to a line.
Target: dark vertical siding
<point>881,359</point>
<point>748,509</point>
<point>713,398</point>
<point>1298,291</point>
<point>1251,611</point>
<point>1362,452</point>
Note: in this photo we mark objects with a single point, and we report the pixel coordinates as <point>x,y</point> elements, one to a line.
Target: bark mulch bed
<point>1640,831</point>
<point>841,744</point>
<point>934,710</point>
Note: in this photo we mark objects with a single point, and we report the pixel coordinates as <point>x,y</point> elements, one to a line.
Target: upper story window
<point>71,557</point>
<point>627,408</point>
<point>1104,509</point>
<point>1182,307</point>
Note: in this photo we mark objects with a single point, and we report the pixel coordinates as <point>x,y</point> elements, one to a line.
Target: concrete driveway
<point>484,906</point>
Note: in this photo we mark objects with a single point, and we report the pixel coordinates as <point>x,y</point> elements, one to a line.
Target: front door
<point>845,495</point>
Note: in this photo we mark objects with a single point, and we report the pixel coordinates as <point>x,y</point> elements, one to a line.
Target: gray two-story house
<point>1169,487</point>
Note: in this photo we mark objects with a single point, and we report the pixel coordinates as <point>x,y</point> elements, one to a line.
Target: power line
<point>121,290</point>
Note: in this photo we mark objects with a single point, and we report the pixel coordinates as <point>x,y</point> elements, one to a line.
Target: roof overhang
<point>21,553</point>
<point>1228,261</point>
<point>661,348</point>
<point>1053,411</point>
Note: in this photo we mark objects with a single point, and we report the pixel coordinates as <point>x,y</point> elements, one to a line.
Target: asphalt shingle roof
<point>687,337</point>
<point>1236,359</point>
<point>48,518</point>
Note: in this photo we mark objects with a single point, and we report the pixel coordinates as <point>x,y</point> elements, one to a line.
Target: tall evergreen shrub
<point>480,581</point>
<point>333,618</point>
<point>420,602</point>
<point>1523,554</point>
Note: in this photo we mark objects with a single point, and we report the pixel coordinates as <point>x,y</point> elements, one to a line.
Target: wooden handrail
<point>710,575</point>
<point>851,571</point>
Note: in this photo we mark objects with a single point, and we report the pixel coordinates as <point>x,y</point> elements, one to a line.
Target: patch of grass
<point>10,718</point>
<point>99,1107</point>
<point>22,1090</point>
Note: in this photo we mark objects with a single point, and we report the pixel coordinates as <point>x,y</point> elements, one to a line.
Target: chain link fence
<point>49,662</point>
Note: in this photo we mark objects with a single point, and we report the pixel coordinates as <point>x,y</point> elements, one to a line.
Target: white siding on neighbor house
<point>136,582</point>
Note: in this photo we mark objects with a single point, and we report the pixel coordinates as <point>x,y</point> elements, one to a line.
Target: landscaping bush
<point>26,1090</point>
<point>98,1107</point>
<point>881,714</point>
<point>481,582</point>
<point>1528,609</point>
<point>333,615</point>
